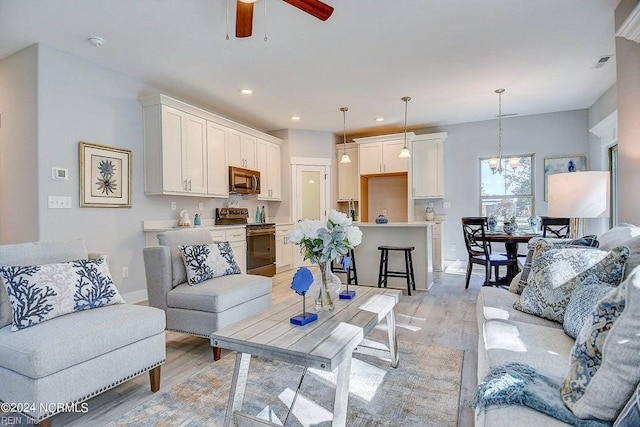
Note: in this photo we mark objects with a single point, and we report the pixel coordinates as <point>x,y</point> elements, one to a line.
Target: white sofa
<point>508,335</point>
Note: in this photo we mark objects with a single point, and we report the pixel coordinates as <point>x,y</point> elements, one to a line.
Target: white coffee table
<point>325,344</point>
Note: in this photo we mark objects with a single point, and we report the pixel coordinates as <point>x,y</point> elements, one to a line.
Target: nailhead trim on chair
<point>188,333</point>
<point>95,393</point>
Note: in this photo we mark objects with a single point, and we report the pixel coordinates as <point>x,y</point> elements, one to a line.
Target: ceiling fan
<point>244,13</point>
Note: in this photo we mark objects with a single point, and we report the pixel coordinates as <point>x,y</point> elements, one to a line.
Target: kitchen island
<point>418,234</point>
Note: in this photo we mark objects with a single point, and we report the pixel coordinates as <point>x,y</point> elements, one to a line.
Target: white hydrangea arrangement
<point>322,241</point>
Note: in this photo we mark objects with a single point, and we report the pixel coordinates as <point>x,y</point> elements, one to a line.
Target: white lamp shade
<point>345,158</point>
<point>579,194</point>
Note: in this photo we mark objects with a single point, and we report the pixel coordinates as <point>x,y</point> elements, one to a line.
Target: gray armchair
<point>71,358</point>
<point>208,306</point>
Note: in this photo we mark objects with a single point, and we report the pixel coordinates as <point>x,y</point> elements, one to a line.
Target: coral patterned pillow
<point>42,292</point>
<point>204,262</point>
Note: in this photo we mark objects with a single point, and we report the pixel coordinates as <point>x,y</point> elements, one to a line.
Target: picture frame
<point>105,176</point>
<point>562,165</point>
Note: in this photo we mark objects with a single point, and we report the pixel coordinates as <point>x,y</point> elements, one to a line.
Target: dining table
<point>511,242</point>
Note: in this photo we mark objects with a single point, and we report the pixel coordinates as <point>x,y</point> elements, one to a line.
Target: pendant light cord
<point>406,100</point>
<point>227,20</point>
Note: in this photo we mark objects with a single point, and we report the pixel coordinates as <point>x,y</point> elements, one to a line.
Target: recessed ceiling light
<point>295,117</point>
<point>379,119</point>
<point>246,91</point>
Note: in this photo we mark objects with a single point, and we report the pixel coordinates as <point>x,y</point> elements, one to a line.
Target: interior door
<point>311,190</point>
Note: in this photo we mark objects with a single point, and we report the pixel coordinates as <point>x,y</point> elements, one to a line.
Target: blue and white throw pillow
<point>590,241</point>
<point>42,292</point>
<point>204,262</point>
<point>556,272</point>
<point>605,359</point>
<point>581,303</point>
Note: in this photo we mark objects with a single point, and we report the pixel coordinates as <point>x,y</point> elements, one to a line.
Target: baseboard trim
<point>136,296</point>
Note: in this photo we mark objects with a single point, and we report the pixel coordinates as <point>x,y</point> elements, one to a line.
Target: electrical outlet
<point>430,204</point>
<point>125,272</point>
<point>384,212</point>
<point>173,206</point>
<point>446,205</point>
<point>453,247</point>
<point>201,206</point>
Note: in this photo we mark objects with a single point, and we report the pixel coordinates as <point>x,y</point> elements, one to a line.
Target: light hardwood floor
<point>443,316</point>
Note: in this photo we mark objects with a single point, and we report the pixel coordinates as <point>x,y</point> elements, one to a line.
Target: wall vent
<point>602,61</point>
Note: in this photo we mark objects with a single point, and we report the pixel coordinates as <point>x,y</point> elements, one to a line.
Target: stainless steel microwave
<point>244,181</point>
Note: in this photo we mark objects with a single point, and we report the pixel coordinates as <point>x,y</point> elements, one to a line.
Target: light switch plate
<point>446,205</point>
<point>59,202</point>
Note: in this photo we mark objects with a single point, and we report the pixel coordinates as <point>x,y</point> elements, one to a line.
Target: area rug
<point>423,391</point>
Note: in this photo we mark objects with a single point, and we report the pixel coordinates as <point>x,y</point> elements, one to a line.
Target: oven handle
<point>254,182</point>
<point>261,232</point>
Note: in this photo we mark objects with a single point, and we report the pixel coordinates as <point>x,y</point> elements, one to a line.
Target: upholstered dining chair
<point>556,227</point>
<point>479,250</point>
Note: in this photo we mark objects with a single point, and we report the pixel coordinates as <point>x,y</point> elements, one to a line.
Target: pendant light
<point>495,163</point>
<point>405,149</point>
<point>345,157</point>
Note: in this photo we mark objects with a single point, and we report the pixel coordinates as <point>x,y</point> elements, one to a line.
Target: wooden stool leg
<point>386,267</point>
<point>406,268</point>
<point>216,353</point>
<point>380,269</point>
<point>355,270</point>
<point>413,278</point>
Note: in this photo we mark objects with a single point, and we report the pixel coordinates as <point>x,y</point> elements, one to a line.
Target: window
<point>509,193</point>
<point>613,167</point>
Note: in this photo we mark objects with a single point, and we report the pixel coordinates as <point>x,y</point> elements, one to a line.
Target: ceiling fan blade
<point>315,8</point>
<point>244,19</point>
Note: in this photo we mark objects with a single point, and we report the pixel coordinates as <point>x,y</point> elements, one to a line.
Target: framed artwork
<point>105,176</point>
<point>562,165</point>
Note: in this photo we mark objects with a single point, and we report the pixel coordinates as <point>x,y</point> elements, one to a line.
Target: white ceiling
<point>448,55</point>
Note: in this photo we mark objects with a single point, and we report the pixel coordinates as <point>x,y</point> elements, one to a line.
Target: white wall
<point>18,140</point>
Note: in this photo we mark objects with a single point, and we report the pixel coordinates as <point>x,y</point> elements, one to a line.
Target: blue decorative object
<point>381,219</point>
<point>491,223</point>
<point>510,227</point>
<point>196,221</point>
<point>301,283</point>
<point>204,262</point>
<point>346,262</point>
<point>534,222</point>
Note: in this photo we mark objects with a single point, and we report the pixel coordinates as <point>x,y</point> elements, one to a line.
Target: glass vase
<point>324,302</point>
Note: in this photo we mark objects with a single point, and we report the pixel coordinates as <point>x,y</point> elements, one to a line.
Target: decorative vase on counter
<point>324,302</point>
<point>381,219</point>
<point>428,214</point>
<point>534,222</point>
<point>492,222</point>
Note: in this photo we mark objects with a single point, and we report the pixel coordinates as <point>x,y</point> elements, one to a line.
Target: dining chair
<point>479,250</point>
<point>556,227</point>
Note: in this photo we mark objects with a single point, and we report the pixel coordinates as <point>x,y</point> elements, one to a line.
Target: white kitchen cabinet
<point>284,248</point>
<point>380,154</point>
<point>242,150</point>
<point>175,152</point>
<point>217,170</point>
<point>268,163</point>
<point>427,166</point>
<point>348,176</point>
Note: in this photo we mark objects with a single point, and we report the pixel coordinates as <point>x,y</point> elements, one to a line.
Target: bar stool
<point>352,273</point>
<point>408,263</point>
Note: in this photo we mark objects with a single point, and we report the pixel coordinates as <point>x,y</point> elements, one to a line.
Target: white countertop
<point>156,226</point>
<point>415,224</point>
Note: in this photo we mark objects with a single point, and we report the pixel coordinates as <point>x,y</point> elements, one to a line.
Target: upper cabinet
<point>242,150</point>
<point>188,151</point>
<point>268,162</point>
<point>427,166</point>
<point>348,176</point>
<point>379,154</point>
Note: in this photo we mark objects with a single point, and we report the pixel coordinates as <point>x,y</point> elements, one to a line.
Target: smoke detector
<point>602,61</point>
<point>96,41</point>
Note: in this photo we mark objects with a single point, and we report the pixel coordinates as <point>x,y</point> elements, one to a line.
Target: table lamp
<point>579,195</point>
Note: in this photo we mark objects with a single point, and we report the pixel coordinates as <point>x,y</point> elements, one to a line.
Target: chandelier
<point>345,157</point>
<point>495,163</point>
<point>405,149</point>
